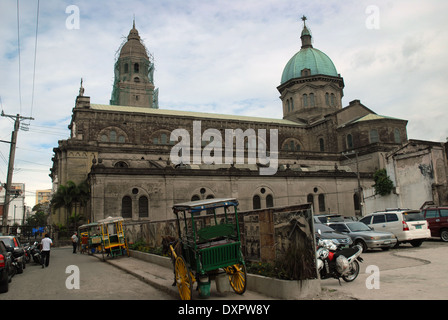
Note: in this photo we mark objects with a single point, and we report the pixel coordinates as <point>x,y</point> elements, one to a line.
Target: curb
<point>160,286</point>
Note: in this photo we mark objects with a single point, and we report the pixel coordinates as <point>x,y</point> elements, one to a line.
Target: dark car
<point>325,232</point>
<point>16,250</point>
<point>6,271</point>
<point>365,236</point>
<point>326,218</point>
<point>437,218</point>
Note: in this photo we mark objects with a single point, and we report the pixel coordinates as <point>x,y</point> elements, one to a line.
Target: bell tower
<point>134,75</point>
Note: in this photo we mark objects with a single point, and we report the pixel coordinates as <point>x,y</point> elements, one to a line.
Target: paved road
<point>97,280</point>
<point>404,273</point>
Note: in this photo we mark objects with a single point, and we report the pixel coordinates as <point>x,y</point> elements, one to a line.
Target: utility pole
<point>359,191</point>
<point>12,154</point>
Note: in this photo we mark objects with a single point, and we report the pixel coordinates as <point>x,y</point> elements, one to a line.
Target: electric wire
<point>18,50</point>
<point>35,58</point>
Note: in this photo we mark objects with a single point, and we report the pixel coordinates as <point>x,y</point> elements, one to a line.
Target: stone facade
<point>124,152</point>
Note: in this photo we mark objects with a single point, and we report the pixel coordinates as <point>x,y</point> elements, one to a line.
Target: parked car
<point>325,218</point>
<point>6,271</point>
<point>437,218</point>
<point>325,232</point>
<point>364,236</point>
<point>407,225</point>
<point>17,250</point>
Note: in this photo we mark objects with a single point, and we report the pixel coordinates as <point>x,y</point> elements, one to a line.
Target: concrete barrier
<point>271,287</point>
<point>283,289</point>
<point>152,258</point>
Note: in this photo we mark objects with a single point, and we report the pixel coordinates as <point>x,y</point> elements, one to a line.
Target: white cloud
<point>217,56</point>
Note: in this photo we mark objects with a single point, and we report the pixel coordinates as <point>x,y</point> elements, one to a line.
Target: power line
<point>35,57</point>
<point>18,49</point>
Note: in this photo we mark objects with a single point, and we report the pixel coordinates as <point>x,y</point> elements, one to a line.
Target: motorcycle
<point>334,262</point>
<point>27,252</point>
<point>35,253</point>
<point>17,261</point>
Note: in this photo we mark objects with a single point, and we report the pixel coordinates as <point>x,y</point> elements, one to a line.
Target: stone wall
<point>267,235</point>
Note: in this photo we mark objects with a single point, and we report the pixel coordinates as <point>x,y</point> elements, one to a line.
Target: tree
<point>40,216</point>
<point>383,184</point>
<point>69,196</point>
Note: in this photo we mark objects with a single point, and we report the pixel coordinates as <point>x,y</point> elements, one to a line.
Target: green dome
<point>308,58</point>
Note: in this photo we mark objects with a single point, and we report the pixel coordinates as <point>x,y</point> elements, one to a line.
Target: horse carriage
<point>113,239</point>
<point>209,243</point>
<point>90,238</point>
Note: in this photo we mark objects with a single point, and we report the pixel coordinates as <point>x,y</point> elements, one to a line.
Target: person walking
<point>75,241</point>
<point>46,244</point>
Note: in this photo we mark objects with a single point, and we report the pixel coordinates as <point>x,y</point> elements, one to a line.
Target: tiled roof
<point>204,115</point>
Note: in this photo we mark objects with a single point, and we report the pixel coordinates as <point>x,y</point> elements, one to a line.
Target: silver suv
<point>407,225</point>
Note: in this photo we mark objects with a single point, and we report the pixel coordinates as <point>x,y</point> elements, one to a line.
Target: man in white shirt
<point>45,252</point>
<point>75,241</point>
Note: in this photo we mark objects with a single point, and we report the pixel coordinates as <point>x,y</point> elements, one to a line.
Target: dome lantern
<point>308,58</point>
<point>310,86</point>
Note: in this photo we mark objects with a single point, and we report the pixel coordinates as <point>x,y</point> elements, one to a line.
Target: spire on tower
<point>304,19</point>
<point>306,35</point>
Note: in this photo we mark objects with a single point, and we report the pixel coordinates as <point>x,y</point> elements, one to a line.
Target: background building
<point>17,211</point>
<point>43,196</point>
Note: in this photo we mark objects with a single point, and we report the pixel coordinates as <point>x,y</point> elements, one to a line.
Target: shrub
<point>383,184</point>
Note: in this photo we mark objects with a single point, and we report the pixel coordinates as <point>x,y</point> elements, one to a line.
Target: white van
<point>407,225</point>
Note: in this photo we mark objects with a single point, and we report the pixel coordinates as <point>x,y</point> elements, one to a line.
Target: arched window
<point>136,67</point>
<point>349,141</point>
<point>321,144</point>
<point>305,100</point>
<point>113,136</point>
<point>143,207</point>
<point>311,99</point>
<point>327,99</point>
<point>195,198</point>
<point>292,105</point>
<point>291,145</point>
<point>269,201</point>
<point>163,138</point>
<point>310,198</point>
<point>121,164</point>
<point>256,202</point>
<point>397,136</point>
<point>289,108</point>
<point>333,100</point>
<point>126,207</point>
<point>356,201</point>
<point>374,136</point>
<point>321,202</point>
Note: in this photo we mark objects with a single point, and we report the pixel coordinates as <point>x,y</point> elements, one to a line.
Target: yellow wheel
<point>183,278</point>
<point>237,277</point>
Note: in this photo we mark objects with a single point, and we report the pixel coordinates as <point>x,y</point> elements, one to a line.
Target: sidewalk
<point>162,278</point>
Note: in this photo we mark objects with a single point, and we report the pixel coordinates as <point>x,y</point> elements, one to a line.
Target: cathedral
<point>325,153</point>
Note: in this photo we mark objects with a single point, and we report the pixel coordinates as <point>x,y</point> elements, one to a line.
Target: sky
<point>218,56</point>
